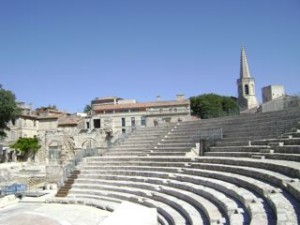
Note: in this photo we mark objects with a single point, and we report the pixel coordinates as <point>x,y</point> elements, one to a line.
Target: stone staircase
<point>140,142</point>
<point>64,190</point>
<point>231,184</point>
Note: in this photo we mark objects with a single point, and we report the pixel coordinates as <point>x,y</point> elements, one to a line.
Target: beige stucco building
<point>26,125</point>
<point>115,115</point>
<point>272,92</point>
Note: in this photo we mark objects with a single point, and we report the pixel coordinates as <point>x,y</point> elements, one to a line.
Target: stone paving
<point>24,213</point>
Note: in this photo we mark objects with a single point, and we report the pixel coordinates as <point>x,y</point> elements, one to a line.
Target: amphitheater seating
<point>251,176</point>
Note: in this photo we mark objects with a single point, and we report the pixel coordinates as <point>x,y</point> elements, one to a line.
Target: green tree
<point>9,110</point>
<point>87,108</point>
<point>212,105</point>
<point>27,146</point>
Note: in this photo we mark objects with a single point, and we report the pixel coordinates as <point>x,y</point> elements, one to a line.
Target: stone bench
<point>228,205</point>
<point>290,169</point>
<point>290,149</point>
<point>126,153</point>
<point>170,148</point>
<point>263,154</point>
<point>272,195</point>
<point>129,159</point>
<point>163,153</point>
<point>129,147</point>
<point>103,203</point>
<point>181,206</point>
<point>268,176</point>
<point>251,148</point>
<point>211,211</point>
<point>259,187</point>
<point>166,144</point>
<point>252,204</point>
<point>277,166</point>
<point>87,197</point>
<point>169,213</point>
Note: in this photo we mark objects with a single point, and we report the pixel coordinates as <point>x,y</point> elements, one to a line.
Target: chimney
<point>180,97</point>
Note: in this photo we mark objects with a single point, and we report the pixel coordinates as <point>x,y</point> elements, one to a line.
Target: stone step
<point>251,203</point>
<point>164,209</point>
<point>160,193</point>
<point>276,178</point>
<point>290,149</point>
<point>228,205</point>
<point>164,153</point>
<point>103,203</point>
<point>153,171</point>
<point>211,211</point>
<point>278,141</point>
<point>250,149</point>
<point>274,156</point>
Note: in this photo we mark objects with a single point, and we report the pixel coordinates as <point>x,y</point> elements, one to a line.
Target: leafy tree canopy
<point>213,105</point>
<point>87,108</point>
<point>9,110</point>
<point>27,146</point>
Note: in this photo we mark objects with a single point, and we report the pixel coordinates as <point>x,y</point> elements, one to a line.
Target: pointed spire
<point>244,70</point>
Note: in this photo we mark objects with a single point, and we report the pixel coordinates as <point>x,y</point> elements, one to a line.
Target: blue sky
<point>67,52</point>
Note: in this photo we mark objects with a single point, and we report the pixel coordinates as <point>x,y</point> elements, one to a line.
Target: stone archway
<point>89,143</point>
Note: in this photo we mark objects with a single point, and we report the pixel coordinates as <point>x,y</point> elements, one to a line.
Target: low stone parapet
<point>8,200</point>
<point>132,214</point>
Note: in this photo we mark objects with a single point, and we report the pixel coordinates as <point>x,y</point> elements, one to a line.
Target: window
<point>87,125</point>
<point>97,123</point>
<point>166,120</point>
<point>246,89</point>
<point>143,121</point>
<point>123,122</point>
<point>133,121</point>
<point>123,131</point>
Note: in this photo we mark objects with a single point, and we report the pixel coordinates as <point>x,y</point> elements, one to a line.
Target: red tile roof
<point>141,105</point>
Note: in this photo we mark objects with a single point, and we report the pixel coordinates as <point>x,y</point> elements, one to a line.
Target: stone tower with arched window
<point>246,86</point>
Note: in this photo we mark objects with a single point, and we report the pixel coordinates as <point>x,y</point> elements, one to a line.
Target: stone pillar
<point>4,156</point>
<point>14,156</point>
<point>202,148</point>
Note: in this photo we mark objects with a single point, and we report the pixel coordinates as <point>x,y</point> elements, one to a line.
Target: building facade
<point>272,92</point>
<point>26,125</point>
<point>114,114</point>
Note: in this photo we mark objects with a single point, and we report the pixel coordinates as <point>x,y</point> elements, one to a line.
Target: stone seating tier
<point>252,203</point>
<point>244,189</point>
<point>167,175</point>
<point>170,214</point>
<point>274,156</point>
<point>274,198</point>
<point>190,164</point>
<point>190,213</point>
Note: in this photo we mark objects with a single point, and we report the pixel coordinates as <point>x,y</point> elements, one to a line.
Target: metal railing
<point>207,134</point>
<point>59,173</point>
<point>120,137</point>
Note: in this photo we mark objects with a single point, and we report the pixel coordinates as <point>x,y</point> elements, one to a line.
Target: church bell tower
<point>246,86</point>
